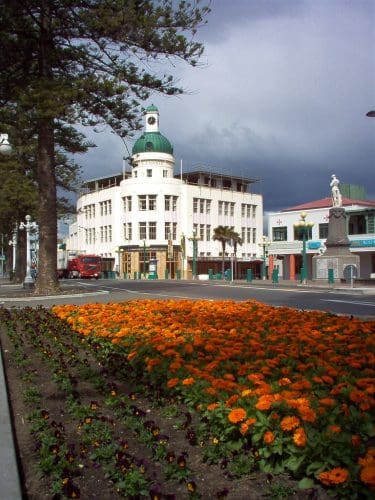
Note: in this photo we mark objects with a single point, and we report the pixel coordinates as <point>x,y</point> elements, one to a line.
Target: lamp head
<point>5,147</point>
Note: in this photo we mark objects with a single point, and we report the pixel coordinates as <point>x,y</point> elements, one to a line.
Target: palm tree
<point>237,240</point>
<point>222,234</point>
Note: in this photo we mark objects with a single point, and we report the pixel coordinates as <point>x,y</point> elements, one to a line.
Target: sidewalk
<point>9,290</point>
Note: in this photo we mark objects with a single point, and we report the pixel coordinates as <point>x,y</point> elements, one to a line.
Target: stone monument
<point>337,255</point>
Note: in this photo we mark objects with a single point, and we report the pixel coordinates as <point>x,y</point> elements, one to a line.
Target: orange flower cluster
<point>237,415</point>
<point>367,464</point>
<point>334,476</point>
<point>296,368</point>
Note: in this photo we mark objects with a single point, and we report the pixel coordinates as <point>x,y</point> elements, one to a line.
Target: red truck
<point>81,266</point>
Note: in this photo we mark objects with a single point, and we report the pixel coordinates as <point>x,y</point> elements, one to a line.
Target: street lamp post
<point>28,226</point>
<point>303,226</point>
<point>264,245</point>
<point>13,244</point>
<point>5,148</point>
<point>144,258</point>
<point>194,239</point>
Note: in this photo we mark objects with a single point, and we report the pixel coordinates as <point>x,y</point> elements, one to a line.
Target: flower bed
<point>276,390</point>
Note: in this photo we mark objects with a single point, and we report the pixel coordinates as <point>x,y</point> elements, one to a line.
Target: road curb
<point>9,474</point>
<point>51,297</point>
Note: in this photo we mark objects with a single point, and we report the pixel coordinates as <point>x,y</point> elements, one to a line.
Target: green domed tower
<point>152,140</point>
<point>152,149</point>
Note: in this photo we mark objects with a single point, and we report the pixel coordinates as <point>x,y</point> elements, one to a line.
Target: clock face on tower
<point>151,120</point>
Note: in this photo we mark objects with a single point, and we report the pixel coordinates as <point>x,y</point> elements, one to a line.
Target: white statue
<point>336,195</point>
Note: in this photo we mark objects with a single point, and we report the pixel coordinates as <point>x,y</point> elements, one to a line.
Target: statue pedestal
<point>337,256</point>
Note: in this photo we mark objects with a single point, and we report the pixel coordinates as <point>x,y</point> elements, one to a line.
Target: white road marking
<point>356,302</point>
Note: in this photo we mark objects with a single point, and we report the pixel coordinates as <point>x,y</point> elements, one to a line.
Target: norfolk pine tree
<point>87,62</point>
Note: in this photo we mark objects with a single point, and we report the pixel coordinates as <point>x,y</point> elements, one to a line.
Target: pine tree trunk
<point>47,216</point>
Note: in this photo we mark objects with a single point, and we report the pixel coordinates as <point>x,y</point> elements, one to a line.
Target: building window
<point>323,231</point>
<point>253,211</point>
<point>208,232</point>
<point>232,209</point>
<point>127,203</point>
<point>152,230</point>
<point>243,234</point>
<point>128,231</point>
<point>208,206</point>
<point>152,202</point>
<point>247,210</point>
<point>371,224</point>
<point>195,205</point>
<point>149,172</point>
<point>201,206</point>
<point>170,203</point>
<point>174,230</point>
<point>167,230</point>
<point>279,233</point>
<point>89,211</point>
<point>142,202</point>
<point>298,234</point>
<point>105,207</point>
<point>201,232</point>
<point>165,173</point>
<point>248,235</point>
<point>105,234</point>
<point>167,203</point>
<point>254,235</point>
<point>220,208</point>
<point>142,231</point>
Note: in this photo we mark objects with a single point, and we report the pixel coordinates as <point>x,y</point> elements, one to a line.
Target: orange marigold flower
<point>250,421</point>
<point>246,392</point>
<point>244,428</point>
<point>327,401</point>
<point>299,437</point>
<point>269,437</point>
<point>368,459</point>
<point>289,423</point>
<point>188,381</point>
<point>284,381</point>
<point>172,382</point>
<point>264,402</point>
<point>237,415</point>
<point>189,349</point>
<point>307,414</point>
<point>334,428</point>
<point>368,475</point>
<point>230,401</point>
<point>212,406</point>
<point>334,476</point>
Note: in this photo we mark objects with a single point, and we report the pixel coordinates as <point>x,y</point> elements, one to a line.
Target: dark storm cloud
<point>281,96</point>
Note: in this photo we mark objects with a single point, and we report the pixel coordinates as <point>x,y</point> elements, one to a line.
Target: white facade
<point>285,249</point>
<point>149,210</point>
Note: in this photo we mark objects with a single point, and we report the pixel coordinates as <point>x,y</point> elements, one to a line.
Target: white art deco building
<point>145,221</point>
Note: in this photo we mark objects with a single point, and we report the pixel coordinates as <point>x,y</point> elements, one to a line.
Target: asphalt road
<point>339,301</point>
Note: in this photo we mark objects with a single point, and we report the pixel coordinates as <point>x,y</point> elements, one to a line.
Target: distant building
<point>145,219</point>
<point>286,247</point>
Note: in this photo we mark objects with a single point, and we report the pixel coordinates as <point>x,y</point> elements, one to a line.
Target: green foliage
<point>65,62</point>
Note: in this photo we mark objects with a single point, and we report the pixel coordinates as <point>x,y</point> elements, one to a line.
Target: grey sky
<point>281,95</point>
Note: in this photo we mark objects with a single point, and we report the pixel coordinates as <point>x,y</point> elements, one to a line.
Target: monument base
<point>337,255</point>
<point>338,262</point>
